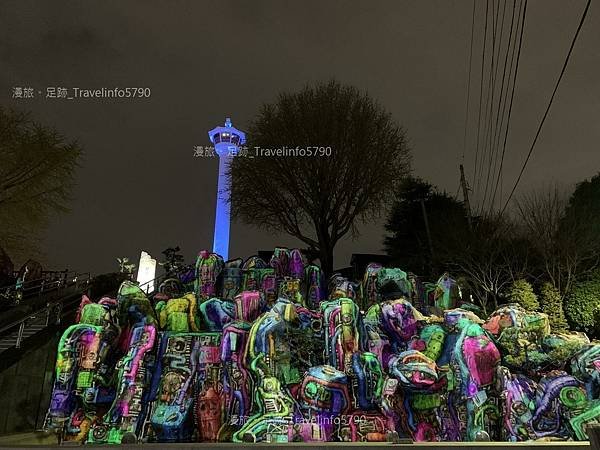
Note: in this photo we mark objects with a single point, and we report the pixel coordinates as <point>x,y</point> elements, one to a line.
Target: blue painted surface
<point>227,141</point>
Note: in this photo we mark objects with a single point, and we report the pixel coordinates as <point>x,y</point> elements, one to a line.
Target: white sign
<point>146,272</point>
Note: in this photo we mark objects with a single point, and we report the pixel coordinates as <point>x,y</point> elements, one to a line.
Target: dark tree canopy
<point>586,198</point>
<point>487,256</point>
<point>583,306</point>
<point>37,169</point>
<point>320,199</point>
<point>582,220</point>
<point>407,242</point>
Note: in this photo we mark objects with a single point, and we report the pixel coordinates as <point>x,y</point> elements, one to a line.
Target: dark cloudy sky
<point>140,186</point>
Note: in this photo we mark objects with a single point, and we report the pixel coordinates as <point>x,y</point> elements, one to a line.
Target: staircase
<point>29,327</point>
<point>40,304</point>
<point>29,333</point>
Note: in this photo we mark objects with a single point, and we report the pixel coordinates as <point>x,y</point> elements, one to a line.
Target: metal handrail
<point>26,289</point>
<point>45,309</point>
<point>51,305</point>
<point>156,282</point>
<point>64,273</point>
<point>46,273</point>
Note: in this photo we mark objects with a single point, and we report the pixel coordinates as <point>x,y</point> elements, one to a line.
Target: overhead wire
<point>500,112</point>
<point>493,77</point>
<point>521,20</point>
<point>486,106</point>
<point>468,101</point>
<point>543,120</point>
<point>475,167</point>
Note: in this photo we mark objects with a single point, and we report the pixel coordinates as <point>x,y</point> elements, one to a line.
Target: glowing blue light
<point>223,207</point>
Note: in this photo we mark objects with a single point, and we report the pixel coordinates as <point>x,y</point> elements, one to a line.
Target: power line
<point>488,95</point>
<point>508,75</point>
<point>475,177</point>
<point>522,11</point>
<point>537,134</point>
<point>493,76</point>
<point>503,97</point>
<point>469,83</point>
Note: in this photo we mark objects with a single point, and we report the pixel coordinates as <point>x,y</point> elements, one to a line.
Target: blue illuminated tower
<point>227,141</point>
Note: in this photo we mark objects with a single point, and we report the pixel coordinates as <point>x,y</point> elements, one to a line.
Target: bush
<point>583,306</point>
<point>551,304</point>
<point>521,292</point>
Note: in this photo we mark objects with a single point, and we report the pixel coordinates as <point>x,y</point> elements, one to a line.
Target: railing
<point>46,275</point>
<point>71,285</point>
<point>54,310</point>
<point>13,294</point>
<point>157,281</point>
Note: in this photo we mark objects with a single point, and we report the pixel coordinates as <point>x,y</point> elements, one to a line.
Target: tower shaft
<point>227,141</point>
<point>223,210</point>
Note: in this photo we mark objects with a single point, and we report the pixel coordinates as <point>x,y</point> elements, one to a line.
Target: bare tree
<point>563,246</point>
<point>489,258</point>
<point>319,197</point>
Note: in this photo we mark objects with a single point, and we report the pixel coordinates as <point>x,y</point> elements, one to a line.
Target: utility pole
<point>465,189</point>
<point>424,211</point>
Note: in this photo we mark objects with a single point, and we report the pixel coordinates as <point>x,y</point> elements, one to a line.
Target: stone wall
<point>25,388</point>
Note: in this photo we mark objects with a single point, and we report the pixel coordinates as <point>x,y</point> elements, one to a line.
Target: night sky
<point>140,186</point>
